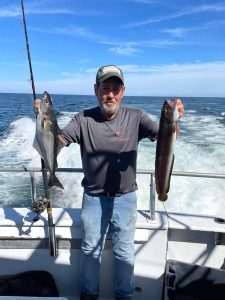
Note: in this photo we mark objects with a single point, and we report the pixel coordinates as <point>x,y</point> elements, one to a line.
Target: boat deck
<point>24,246</point>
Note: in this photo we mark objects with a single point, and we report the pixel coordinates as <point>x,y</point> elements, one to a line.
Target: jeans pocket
<point>131,198</point>
<point>87,199</point>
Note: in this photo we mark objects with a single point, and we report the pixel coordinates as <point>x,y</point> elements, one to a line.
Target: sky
<point>165,48</point>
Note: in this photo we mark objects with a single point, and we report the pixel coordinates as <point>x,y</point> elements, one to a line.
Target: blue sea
<point>199,148</point>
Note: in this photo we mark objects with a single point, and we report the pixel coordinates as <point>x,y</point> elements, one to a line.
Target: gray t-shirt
<point>109,148</point>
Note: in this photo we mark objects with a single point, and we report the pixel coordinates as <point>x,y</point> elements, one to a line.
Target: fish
<point>46,138</point>
<point>164,158</point>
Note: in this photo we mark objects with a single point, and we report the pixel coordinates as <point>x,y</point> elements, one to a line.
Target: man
<point>108,136</point>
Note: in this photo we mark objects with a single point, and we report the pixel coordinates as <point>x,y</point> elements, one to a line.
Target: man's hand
<point>180,107</point>
<point>37,104</point>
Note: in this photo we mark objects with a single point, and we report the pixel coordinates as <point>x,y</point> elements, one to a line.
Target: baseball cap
<point>108,71</point>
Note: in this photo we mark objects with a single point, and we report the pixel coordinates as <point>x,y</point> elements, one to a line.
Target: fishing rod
<point>51,225</point>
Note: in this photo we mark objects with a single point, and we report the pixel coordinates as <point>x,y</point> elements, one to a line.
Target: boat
<point>177,255</point>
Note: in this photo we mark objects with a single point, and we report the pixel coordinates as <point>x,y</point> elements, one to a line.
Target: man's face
<point>110,93</point>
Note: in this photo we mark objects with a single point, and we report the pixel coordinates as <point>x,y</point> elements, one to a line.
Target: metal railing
<point>151,173</point>
<point>39,206</point>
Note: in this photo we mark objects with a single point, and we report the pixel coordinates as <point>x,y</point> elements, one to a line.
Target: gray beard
<point>109,110</point>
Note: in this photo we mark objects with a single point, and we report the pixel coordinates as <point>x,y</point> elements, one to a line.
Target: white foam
<point>200,148</point>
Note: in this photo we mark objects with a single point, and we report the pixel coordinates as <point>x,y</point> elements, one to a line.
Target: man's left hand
<point>180,107</point>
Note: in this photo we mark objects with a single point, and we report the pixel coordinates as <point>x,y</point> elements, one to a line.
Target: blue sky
<point>165,48</point>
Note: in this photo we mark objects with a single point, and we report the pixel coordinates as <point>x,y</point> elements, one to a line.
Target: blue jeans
<point>118,217</point>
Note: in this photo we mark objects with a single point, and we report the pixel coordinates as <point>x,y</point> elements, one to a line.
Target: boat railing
<point>151,173</point>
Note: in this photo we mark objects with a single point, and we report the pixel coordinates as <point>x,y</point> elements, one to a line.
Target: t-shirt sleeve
<point>71,132</point>
<point>148,128</point>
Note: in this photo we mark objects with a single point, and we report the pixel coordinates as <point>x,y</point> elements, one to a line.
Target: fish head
<point>46,103</point>
<point>46,107</point>
<point>170,110</point>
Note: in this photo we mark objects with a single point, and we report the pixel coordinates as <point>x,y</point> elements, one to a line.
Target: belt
<point>108,195</point>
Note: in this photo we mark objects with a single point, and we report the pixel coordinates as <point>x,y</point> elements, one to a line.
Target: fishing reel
<point>39,207</point>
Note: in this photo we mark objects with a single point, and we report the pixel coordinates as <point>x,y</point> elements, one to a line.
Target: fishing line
<point>167,218</point>
<point>28,52</point>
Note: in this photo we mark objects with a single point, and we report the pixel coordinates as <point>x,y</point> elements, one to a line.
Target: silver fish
<point>46,138</point>
<point>167,135</point>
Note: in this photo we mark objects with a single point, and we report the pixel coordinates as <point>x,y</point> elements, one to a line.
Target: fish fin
<point>60,144</point>
<point>54,181</point>
<point>36,146</point>
<point>177,130</point>
<point>156,182</point>
<point>171,169</point>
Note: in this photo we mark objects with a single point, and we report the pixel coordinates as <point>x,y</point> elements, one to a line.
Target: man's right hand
<point>37,104</point>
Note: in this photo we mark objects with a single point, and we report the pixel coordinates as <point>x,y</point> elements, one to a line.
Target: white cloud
<point>74,30</point>
<point>83,61</point>
<point>66,74</point>
<point>185,12</point>
<point>199,79</point>
<point>52,11</point>
<point>71,30</point>
<point>177,32</point>
<point>144,1</point>
<point>125,50</point>
<point>133,48</point>
<point>10,12</point>
<point>43,8</point>
<point>15,11</point>
<point>178,68</point>
<point>181,31</point>
<point>191,79</point>
<point>216,7</point>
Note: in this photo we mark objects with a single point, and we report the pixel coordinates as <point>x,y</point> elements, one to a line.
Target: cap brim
<point>106,76</point>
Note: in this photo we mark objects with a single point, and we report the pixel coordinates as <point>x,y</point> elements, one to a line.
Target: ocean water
<point>200,148</point>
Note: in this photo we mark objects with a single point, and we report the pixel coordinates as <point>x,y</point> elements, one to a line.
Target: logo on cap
<point>106,72</point>
<point>111,69</point>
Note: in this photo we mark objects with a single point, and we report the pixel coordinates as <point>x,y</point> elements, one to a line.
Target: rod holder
<point>152,198</point>
<point>33,186</point>
<point>52,240</point>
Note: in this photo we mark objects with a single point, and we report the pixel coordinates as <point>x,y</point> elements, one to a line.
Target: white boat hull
<point>24,246</point>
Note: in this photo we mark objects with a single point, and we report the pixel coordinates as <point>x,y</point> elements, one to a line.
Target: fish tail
<point>54,181</point>
<point>162,197</point>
